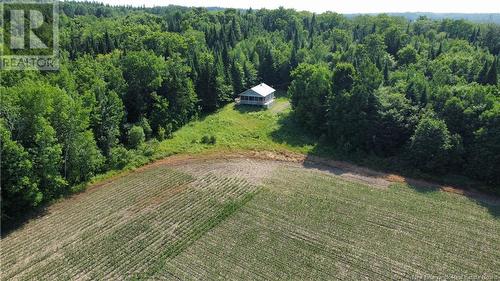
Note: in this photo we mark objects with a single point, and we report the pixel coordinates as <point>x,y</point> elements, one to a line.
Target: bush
<point>168,131</point>
<point>164,133</point>
<point>205,139</point>
<point>208,139</point>
<point>149,148</point>
<point>161,133</point>
<point>144,123</point>
<point>119,157</point>
<point>136,136</point>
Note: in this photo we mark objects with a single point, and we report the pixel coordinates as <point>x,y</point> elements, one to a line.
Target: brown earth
<point>255,165</point>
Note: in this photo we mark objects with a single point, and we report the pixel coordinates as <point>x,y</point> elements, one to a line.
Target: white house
<point>261,95</point>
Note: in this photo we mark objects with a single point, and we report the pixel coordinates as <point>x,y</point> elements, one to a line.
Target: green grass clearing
<point>240,127</point>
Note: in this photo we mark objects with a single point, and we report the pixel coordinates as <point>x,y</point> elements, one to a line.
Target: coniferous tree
<point>492,76</point>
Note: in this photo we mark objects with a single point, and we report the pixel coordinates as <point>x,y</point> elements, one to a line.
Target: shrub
<point>144,123</point>
<point>208,139</point>
<point>205,139</point>
<point>165,133</point>
<point>161,133</point>
<point>149,148</point>
<point>136,136</point>
<point>119,157</point>
<point>168,131</point>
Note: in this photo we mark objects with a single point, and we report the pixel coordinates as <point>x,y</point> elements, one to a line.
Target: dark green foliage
<point>343,77</point>
<point>208,140</point>
<point>407,55</point>
<point>483,74</point>
<point>237,77</point>
<point>392,40</point>
<point>485,159</point>
<point>308,93</point>
<point>212,87</point>
<point>352,117</point>
<point>135,136</point>
<point>386,74</point>
<point>19,191</point>
<point>143,72</point>
<point>492,76</point>
<point>369,76</point>
<point>397,119</point>
<point>179,90</point>
<point>431,145</point>
<point>108,116</point>
<point>417,90</point>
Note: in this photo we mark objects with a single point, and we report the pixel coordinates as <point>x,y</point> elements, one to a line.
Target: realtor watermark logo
<point>29,35</point>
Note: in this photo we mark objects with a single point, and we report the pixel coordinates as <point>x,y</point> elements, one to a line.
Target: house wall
<point>251,100</point>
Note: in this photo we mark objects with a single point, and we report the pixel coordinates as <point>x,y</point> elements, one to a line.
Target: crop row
<point>139,229</point>
<point>309,227</point>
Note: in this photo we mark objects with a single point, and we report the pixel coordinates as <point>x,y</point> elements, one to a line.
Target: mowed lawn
<point>183,222</point>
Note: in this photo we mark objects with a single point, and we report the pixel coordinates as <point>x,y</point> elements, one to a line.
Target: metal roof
<point>262,90</point>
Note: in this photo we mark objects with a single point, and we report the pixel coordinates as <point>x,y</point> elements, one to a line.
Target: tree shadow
<point>487,200</point>
<point>243,108</point>
<point>280,94</point>
<point>8,226</point>
<point>292,133</point>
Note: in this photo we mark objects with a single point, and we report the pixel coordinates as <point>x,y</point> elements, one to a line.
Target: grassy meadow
<point>241,127</point>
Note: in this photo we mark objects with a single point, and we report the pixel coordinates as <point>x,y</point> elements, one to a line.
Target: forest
<point>424,92</point>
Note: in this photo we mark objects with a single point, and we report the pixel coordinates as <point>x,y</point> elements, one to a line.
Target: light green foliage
<point>84,158</point>
<point>119,158</point>
<point>146,128</point>
<point>135,136</point>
